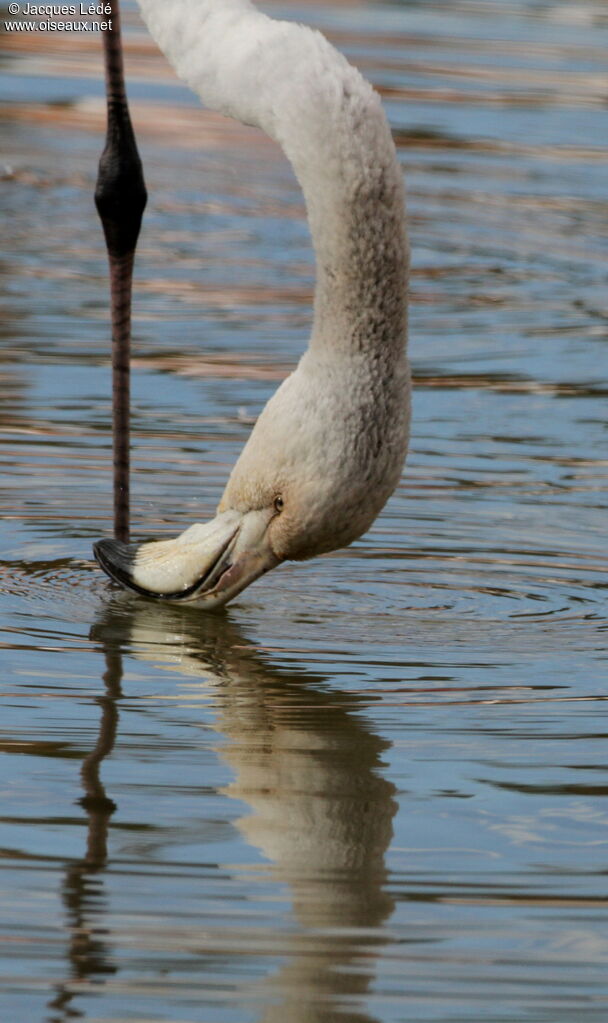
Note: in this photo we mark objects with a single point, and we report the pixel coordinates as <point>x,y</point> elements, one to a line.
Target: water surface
<point>374,789</point>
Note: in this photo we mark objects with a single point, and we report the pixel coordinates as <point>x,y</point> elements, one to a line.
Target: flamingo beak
<point>210,563</point>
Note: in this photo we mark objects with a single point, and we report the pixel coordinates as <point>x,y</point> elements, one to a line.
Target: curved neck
<point>292,83</point>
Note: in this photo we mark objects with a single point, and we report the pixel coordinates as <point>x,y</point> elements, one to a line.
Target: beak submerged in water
<point>210,563</point>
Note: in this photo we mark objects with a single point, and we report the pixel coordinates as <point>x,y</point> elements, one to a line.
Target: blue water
<point>374,789</point>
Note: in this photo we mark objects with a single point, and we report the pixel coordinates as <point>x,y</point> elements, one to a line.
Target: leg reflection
<point>88,955</point>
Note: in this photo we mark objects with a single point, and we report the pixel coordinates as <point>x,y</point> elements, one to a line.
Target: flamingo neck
<point>289,81</point>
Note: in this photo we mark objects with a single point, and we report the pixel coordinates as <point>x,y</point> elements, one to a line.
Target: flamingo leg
<point>120,197</point>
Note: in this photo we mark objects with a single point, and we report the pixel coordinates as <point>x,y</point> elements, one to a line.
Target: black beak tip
<point>114,557</point>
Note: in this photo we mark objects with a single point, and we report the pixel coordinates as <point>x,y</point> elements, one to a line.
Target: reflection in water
<point>88,953</point>
<point>471,621</point>
<point>307,765</point>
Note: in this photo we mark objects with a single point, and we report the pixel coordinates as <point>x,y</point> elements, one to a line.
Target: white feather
<point>288,80</point>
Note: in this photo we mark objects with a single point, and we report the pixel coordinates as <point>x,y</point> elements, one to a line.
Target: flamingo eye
<point>278,504</point>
